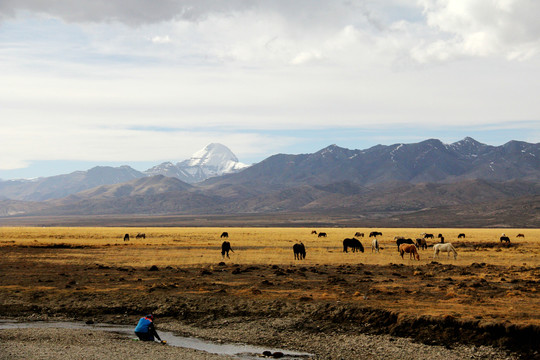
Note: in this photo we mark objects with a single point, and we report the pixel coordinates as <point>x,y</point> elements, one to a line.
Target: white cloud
<point>161,39</point>
<point>507,28</point>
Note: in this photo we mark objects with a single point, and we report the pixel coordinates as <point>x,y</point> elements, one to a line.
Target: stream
<point>241,351</point>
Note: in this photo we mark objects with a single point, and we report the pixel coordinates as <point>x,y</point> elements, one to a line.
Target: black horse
<point>354,244</point>
<point>225,248</point>
<point>322,234</point>
<point>462,235</point>
<point>403,241</point>
<point>375,233</point>
<point>140,235</point>
<point>428,236</point>
<point>359,234</point>
<point>505,238</point>
<point>126,237</point>
<point>441,237</point>
<point>299,251</point>
<point>224,234</point>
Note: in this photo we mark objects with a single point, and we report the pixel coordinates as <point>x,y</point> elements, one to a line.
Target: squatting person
<point>145,329</point>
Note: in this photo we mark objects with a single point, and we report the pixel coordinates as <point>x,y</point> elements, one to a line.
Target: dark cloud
<point>137,12</point>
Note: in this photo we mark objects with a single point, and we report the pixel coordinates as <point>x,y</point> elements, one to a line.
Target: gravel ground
<point>55,343</point>
<point>67,344</point>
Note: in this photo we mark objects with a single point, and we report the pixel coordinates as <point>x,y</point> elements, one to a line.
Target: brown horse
<point>411,249</point>
<point>421,243</point>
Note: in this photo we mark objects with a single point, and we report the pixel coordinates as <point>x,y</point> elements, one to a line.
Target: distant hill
<point>59,186</point>
<point>143,186</point>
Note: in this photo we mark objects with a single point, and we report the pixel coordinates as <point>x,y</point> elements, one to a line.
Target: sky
<point>140,82</point>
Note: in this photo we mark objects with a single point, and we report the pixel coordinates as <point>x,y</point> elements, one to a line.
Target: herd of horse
<point>404,245</point>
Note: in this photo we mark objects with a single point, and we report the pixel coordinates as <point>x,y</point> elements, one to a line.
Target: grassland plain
<point>487,296</point>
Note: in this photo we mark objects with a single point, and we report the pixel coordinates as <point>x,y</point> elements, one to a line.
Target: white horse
<point>375,245</point>
<point>444,247</point>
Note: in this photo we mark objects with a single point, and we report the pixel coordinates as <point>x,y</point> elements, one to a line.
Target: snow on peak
<point>214,160</point>
<point>212,155</point>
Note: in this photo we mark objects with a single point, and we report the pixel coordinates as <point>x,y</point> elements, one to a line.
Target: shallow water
<point>241,351</point>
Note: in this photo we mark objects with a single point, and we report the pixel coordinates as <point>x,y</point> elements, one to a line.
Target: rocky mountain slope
<point>429,161</point>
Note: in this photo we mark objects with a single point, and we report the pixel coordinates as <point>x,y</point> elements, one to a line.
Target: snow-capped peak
<point>213,160</point>
<point>212,155</point>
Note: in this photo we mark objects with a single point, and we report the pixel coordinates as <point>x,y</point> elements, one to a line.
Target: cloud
<point>138,12</point>
<point>161,39</point>
<point>480,28</point>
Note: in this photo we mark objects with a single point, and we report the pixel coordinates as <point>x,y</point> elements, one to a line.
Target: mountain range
<point>425,178</point>
<point>213,160</point>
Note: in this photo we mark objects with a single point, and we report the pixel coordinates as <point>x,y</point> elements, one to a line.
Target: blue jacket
<point>144,325</point>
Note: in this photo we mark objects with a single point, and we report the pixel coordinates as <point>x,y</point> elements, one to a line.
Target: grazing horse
<point>299,251</point>
<point>322,234</point>
<point>354,244</point>
<point>401,240</point>
<point>359,234</point>
<point>444,247</point>
<point>224,234</point>
<point>375,245</point>
<point>428,236</point>
<point>520,235</point>
<point>462,235</point>
<point>225,248</point>
<point>505,238</point>
<point>140,235</point>
<point>411,249</point>
<point>421,243</point>
<point>375,233</point>
<point>441,237</point>
<point>126,237</point>
<point>314,232</point>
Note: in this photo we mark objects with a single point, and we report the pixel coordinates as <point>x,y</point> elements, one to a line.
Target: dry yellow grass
<point>196,246</point>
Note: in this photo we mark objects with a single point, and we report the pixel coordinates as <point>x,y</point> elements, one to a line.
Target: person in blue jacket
<point>145,329</point>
